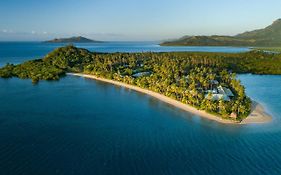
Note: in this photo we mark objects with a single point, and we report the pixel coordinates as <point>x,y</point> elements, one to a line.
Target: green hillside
<point>78,39</point>
<point>267,37</point>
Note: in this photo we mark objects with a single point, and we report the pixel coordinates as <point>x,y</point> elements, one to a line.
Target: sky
<point>132,20</point>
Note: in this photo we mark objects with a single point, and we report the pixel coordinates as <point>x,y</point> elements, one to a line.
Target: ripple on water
<point>78,126</point>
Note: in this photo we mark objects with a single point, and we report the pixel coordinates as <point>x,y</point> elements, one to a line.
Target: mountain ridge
<point>74,39</point>
<point>268,36</point>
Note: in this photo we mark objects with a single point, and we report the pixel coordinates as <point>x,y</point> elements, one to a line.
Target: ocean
<point>82,126</point>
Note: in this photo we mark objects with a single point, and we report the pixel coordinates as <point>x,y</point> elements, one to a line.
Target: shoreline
<point>258,114</point>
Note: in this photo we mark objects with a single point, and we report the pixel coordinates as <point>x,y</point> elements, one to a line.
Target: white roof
<point>226,91</point>
<point>141,74</point>
<point>214,81</point>
<point>217,97</point>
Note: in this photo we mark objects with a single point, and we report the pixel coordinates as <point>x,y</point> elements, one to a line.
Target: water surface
<point>81,126</point>
<point>17,52</point>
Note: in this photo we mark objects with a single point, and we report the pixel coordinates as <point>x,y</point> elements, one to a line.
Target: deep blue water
<point>81,126</point>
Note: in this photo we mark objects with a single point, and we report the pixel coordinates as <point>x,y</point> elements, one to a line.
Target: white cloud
<point>6,31</point>
<point>10,35</point>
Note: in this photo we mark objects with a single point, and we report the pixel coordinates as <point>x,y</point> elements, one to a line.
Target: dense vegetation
<point>35,70</point>
<point>267,37</point>
<point>269,49</point>
<point>183,76</point>
<point>77,39</point>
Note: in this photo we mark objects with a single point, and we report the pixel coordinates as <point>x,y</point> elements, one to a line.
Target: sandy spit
<point>258,114</point>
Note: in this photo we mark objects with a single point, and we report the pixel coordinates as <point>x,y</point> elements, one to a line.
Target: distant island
<point>267,37</point>
<point>78,39</point>
<point>202,83</point>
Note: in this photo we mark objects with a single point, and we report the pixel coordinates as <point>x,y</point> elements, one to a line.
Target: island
<point>202,83</point>
<point>78,39</point>
<point>266,38</point>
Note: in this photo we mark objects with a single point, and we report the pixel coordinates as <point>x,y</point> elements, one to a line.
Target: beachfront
<point>258,113</point>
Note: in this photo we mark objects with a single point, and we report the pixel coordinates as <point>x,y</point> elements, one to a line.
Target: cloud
<point>104,36</point>
<point>10,35</point>
<point>6,31</point>
<point>33,32</point>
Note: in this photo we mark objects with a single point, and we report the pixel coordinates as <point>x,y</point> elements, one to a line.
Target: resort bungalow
<point>140,64</point>
<point>140,74</point>
<point>226,91</point>
<point>221,93</point>
<point>214,84</point>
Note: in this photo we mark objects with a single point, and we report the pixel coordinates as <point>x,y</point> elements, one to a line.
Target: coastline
<point>258,114</point>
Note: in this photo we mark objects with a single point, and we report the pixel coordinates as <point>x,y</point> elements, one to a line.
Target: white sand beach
<point>258,114</point>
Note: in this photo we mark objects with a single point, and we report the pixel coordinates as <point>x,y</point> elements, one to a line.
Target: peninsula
<point>204,82</point>
<point>267,37</point>
<point>78,39</point>
<point>257,114</point>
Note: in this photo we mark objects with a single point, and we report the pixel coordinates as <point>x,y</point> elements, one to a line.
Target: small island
<point>78,39</point>
<point>202,83</point>
<point>269,37</point>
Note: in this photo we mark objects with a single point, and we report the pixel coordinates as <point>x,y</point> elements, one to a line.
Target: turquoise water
<point>82,126</point>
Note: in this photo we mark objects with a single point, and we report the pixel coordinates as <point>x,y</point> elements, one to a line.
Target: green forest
<point>269,36</point>
<point>196,79</point>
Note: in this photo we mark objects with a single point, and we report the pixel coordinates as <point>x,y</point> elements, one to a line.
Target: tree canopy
<point>184,76</point>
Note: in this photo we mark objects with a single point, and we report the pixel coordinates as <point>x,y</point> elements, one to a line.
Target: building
<point>226,91</point>
<point>140,74</point>
<point>221,93</point>
<point>217,97</point>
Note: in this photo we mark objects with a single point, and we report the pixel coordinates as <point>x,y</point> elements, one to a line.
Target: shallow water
<point>82,126</point>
